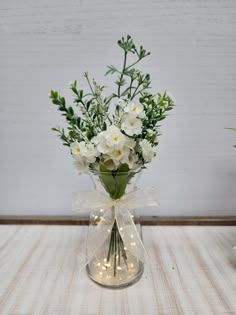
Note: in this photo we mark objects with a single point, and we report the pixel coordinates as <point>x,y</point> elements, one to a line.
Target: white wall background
<point>45,44</point>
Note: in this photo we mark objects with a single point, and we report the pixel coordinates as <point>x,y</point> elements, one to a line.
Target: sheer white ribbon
<point>114,210</point>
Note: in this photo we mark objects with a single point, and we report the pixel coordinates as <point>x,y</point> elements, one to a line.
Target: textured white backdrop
<point>45,44</point>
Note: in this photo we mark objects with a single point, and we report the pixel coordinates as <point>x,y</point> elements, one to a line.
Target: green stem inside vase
<point>116,249</point>
<point>115,183</point>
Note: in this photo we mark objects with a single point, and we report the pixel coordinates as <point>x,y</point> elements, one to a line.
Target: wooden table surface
<point>192,271</point>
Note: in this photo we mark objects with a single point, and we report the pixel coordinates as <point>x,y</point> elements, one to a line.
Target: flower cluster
<point>98,136</point>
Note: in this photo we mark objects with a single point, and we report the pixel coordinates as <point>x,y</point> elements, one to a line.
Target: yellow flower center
<point>116,138</point>
<point>77,150</point>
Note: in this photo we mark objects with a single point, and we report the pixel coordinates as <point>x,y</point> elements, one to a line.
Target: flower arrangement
<point>115,136</point>
<point>117,132</point>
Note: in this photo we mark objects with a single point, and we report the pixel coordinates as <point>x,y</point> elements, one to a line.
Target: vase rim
<point>96,172</point>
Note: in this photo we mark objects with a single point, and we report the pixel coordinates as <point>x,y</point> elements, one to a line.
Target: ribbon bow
<point>105,211</point>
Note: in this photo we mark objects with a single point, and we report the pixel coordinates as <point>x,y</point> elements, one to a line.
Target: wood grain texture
<point>47,43</point>
<point>144,220</point>
<point>191,271</point>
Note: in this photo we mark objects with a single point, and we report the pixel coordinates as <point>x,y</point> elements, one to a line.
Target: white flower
<point>130,143</point>
<point>109,163</point>
<point>78,148</point>
<point>110,139</point>
<point>100,142</point>
<point>84,154</point>
<point>91,153</point>
<point>118,154</point>
<point>130,160</point>
<point>135,109</point>
<point>114,137</point>
<point>131,125</point>
<point>147,150</point>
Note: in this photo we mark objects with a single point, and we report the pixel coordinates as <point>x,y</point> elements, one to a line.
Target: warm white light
<point>119,268</point>
<point>131,235</point>
<point>101,210</point>
<point>98,264</point>
<point>133,244</point>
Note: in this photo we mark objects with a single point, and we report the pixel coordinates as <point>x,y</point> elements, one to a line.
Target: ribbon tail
<point>130,235</point>
<point>97,234</point>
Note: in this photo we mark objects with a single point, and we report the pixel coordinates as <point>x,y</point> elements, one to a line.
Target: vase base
<point>117,282</point>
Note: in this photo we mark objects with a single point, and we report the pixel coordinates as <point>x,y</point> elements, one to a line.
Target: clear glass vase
<point>114,233</point>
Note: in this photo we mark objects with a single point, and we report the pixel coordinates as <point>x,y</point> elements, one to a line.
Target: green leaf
<point>121,181</point>
<point>111,70</point>
<point>107,180</point>
<point>115,183</point>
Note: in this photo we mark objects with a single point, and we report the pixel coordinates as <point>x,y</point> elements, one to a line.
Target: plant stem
<point>133,64</point>
<point>115,230</point>
<point>122,74</point>
<point>116,249</point>
<point>134,94</point>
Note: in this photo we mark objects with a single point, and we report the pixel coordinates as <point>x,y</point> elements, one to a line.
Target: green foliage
<point>89,114</point>
<point>136,82</point>
<point>115,182</point>
<point>156,108</point>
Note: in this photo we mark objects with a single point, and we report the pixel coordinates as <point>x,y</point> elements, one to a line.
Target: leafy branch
<point>156,109</point>
<point>138,82</point>
<point>76,126</point>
